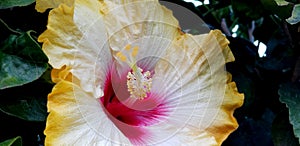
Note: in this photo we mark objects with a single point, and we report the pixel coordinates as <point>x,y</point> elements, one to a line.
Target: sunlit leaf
<point>15,71</point>
<point>281,2</point>
<point>13,3</point>
<point>295,18</point>
<point>17,141</point>
<point>21,61</point>
<point>290,95</point>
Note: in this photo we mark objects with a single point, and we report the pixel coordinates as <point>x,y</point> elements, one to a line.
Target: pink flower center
<point>142,113</point>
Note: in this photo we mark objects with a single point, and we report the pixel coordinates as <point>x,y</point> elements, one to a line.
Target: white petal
<point>76,118</point>
<point>127,22</point>
<point>81,45</point>
<point>94,56</point>
<point>192,76</point>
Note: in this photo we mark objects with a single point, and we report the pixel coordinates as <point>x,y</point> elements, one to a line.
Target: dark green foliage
<point>24,76</point>
<point>21,60</point>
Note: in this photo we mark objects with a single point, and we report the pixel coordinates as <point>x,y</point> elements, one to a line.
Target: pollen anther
<point>135,51</point>
<point>139,83</point>
<point>127,47</point>
<point>121,56</point>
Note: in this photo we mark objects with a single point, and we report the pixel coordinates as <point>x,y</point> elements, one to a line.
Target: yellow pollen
<point>128,47</point>
<point>121,56</point>
<point>135,51</point>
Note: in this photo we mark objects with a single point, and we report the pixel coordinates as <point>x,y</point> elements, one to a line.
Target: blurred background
<point>264,37</point>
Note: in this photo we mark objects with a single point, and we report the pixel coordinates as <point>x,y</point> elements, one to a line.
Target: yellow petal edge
<point>223,125</point>
<point>43,5</point>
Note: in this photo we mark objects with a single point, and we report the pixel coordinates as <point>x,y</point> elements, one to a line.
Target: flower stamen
<point>138,82</point>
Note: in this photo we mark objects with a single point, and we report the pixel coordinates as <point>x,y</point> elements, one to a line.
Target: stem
<point>10,29</point>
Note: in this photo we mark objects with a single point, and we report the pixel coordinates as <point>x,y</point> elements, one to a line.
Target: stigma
<point>139,82</point>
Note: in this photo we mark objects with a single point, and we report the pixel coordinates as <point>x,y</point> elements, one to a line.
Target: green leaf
<point>295,18</point>
<point>17,141</point>
<point>15,71</point>
<point>282,12</point>
<point>24,46</point>
<point>32,109</point>
<point>13,3</point>
<point>222,13</point>
<point>21,60</point>
<point>290,95</point>
<point>281,2</point>
<point>247,10</point>
<point>30,106</point>
<point>282,131</point>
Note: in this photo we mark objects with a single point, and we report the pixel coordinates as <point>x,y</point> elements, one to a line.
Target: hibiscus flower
<point>126,74</point>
